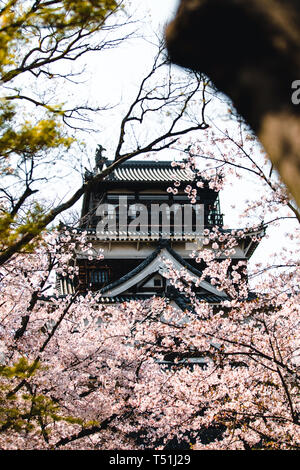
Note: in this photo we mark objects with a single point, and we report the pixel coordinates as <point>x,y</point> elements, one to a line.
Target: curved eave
<point>154,263</point>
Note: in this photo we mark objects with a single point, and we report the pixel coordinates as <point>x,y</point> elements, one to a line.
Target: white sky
<point>120,70</point>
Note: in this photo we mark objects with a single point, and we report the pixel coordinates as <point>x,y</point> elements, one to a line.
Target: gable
<point>156,264</point>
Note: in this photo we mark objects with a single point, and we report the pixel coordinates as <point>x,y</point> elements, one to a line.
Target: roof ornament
<point>99,158</point>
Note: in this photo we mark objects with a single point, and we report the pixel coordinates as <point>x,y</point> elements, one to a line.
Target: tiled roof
<point>150,171</point>
<point>181,301</point>
<point>178,300</point>
<point>120,235</point>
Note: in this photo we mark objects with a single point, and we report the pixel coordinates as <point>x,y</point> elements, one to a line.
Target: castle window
<point>99,276</point>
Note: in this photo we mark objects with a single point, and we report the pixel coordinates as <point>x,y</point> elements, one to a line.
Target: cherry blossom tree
<point>77,374</point>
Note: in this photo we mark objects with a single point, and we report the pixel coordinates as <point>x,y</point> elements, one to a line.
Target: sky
<point>120,70</point>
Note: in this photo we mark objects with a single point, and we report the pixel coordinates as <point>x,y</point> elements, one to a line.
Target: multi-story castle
<point>140,223</point>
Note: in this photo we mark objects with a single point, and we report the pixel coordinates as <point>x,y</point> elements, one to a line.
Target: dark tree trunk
<point>250,49</point>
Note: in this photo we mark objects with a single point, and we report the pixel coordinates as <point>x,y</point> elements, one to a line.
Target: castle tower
<point>141,224</point>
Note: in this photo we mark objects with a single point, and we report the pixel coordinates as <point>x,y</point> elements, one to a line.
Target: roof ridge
<point>156,163</point>
<point>151,171</point>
